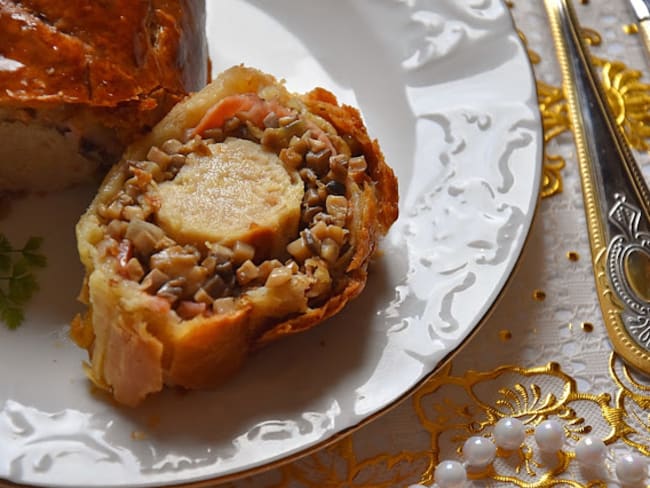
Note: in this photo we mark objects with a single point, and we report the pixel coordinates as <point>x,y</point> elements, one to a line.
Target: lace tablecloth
<point>544,352</point>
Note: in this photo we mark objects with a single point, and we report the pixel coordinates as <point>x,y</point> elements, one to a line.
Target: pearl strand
<point>510,433</point>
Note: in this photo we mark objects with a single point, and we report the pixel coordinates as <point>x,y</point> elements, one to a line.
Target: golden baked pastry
<point>80,80</point>
<point>247,214</point>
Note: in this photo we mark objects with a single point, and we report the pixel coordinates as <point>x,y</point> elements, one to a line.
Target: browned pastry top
<point>99,52</point>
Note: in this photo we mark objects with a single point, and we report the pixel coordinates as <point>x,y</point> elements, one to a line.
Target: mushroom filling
<point>209,271</point>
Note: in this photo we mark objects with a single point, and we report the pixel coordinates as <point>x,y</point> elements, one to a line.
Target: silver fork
<point>616,197</point>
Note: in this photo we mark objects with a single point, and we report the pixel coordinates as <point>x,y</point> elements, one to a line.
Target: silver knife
<point>616,197</point>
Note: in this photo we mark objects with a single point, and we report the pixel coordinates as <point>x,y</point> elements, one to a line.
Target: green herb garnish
<point>17,281</point>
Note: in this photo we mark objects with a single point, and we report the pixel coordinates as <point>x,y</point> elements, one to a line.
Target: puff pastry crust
<point>80,80</point>
<point>179,292</point>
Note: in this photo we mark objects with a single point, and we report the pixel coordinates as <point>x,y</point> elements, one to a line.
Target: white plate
<point>447,88</point>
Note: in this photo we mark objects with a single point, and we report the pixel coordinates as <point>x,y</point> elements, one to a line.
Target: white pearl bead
<point>509,433</point>
<point>450,474</point>
<point>631,469</point>
<point>549,436</point>
<point>479,451</point>
<point>590,451</point>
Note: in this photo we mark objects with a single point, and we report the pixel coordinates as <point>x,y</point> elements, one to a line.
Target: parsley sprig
<point>17,280</point>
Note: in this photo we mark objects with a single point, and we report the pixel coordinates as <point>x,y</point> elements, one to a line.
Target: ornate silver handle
<point>616,197</point>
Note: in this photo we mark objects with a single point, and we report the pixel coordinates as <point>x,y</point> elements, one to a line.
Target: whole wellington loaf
<point>247,214</point>
<point>81,79</point>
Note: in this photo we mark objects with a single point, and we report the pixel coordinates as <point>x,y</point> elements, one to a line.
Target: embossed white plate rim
<point>402,323</point>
